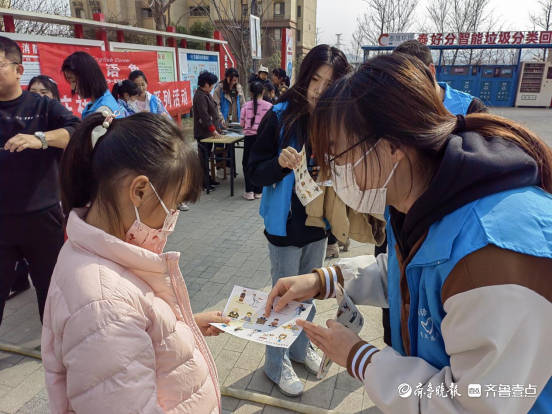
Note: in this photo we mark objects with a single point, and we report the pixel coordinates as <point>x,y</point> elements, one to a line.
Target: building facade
<point>298,15</point>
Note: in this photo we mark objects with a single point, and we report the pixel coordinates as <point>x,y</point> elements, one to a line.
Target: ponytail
<point>489,125</point>
<point>78,186</point>
<point>143,144</point>
<point>256,89</point>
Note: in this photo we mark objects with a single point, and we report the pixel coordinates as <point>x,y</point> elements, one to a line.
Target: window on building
<point>277,34</point>
<point>146,13</point>
<point>298,36</point>
<point>298,11</point>
<point>279,9</point>
<point>78,13</point>
<point>95,7</point>
<point>198,11</point>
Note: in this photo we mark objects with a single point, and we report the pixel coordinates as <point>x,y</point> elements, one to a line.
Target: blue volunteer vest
<point>105,100</point>
<point>457,102</point>
<point>528,214</point>
<point>276,200</point>
<point>225,106</point>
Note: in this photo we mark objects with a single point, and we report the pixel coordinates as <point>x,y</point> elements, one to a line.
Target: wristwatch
<point>40,135</point>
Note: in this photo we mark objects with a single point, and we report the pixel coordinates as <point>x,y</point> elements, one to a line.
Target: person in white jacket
<point>468,275</point>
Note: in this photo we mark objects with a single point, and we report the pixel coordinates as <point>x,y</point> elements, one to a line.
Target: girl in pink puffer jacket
<point>119,335</point>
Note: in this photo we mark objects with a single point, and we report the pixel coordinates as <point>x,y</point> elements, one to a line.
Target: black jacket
<point>264,170</point>
<point>29,180</point>
<point>471,167</point>
<point>206,118</point>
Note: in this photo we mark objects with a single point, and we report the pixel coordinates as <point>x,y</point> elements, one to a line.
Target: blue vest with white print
<point>276,199</point>
<point>225,106</point>
<point>519,220</point>
<point>457,102</point>
<point>105,100</point>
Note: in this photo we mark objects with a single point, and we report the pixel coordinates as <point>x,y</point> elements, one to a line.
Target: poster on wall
<point>31,61</point>
<point>166,62</point>
<point>193,62</point>
<point>165,65</point>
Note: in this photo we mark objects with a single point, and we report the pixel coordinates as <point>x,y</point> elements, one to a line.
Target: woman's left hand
<point>204,319</point>
<point>335,341</point>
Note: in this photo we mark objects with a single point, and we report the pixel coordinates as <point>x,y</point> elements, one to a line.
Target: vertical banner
<point>287,51</point>
<point>255,33</point>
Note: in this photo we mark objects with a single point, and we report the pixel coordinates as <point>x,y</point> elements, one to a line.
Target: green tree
<point>205,29</point>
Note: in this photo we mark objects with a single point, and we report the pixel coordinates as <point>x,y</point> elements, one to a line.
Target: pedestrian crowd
<point>458,201</point>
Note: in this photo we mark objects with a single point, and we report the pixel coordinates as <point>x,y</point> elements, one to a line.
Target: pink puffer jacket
<point>119,335</point>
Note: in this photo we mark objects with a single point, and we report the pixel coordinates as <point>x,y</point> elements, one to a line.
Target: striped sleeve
<point>359,358</point>
<point>329,278</point>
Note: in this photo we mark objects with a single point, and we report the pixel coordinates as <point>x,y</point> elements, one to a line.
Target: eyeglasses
<point>4,65</point>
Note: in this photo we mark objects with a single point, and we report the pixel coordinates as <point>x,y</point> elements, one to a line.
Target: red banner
<point>116,66</point>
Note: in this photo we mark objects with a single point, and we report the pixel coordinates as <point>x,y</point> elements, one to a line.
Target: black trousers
<point>204,151</point>
<point>385,320</point>
<point>249,141</point>
<point>36,236</point>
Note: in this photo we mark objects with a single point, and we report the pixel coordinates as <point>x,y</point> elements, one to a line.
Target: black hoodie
<point>472,167</point>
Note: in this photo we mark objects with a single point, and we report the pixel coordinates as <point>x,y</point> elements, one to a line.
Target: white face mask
<point>370,201</point>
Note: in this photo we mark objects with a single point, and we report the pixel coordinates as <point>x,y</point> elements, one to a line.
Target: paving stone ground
<point>222,244</point>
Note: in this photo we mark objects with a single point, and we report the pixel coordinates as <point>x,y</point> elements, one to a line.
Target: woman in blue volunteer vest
<point>294,247</point>
<point>468,276</point>
<point>87,80</point>
<point>146,102</point>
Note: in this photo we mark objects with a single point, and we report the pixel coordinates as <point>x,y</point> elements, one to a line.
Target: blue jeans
<point>292,261</point>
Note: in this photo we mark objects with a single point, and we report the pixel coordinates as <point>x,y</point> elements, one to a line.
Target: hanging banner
<point>115,66</point>
<point>287,51</point>
<point>470,38</point>
<point>176,96</point>
<point>255,32</point>
<point>193,62</point>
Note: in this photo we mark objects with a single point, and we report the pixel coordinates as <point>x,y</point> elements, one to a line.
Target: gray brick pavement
<point>222,244</point>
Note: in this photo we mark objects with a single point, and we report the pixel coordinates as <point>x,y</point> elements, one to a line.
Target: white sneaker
<point>248,196</point>
<point>290,385</point>
<point>332,251</point>
<point>312,360</point>
<point>184,207</point>
<point>258,196</point>
<point>220,173</point>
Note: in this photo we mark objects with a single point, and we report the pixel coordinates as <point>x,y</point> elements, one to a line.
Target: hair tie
<point>100,130</point>
<point>460,123</point>
<point>119,83</point>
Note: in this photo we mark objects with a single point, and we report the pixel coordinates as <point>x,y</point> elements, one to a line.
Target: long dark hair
<point>230,73</point>
<point>132,76</point>
<point>143,143</point>
<point>91,83</point>
<point>296,114</point>
<point>48,83</point>
<point>122,87</point>
<point>256,89</point>
<point>394,97</point>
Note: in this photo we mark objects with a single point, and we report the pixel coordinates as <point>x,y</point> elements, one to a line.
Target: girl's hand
<point>204,319</point>
<point>336,340</point>
<point>297,288</point>
<point>289,158</point>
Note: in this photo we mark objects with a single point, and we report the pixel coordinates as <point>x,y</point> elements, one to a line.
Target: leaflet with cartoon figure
<point>246,309</point>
